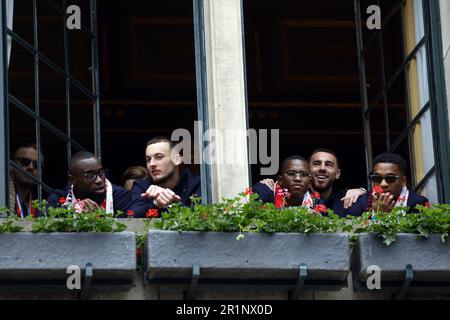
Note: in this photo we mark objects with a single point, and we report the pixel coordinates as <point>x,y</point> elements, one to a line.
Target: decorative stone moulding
<point>106,260</point>
<point>408,262</point>
<point>290,259</point>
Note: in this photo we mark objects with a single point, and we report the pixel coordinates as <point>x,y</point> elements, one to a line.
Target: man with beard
<point>325,171</point>
<point>166,184</point>
<point>324,168</point>
<point>21,186</point>
<point>89,189</point>
<point>291,188</point>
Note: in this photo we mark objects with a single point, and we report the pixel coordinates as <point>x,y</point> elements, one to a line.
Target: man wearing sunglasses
<point>89,189</point>
<point>389,188</point>
<point>21,186</point>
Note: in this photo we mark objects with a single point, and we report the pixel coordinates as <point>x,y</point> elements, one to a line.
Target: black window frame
<point>437,104</point>
<point>9,101</point>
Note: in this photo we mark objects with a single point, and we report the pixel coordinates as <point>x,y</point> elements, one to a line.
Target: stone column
<point>226,94</point>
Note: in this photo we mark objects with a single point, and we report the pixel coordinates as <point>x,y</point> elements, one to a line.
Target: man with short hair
<point>389,188</point>
<point>89,189</point>
<point>167,183</point>
<point>21,187</point>
<point>292,185</point>
<point>324,169</point>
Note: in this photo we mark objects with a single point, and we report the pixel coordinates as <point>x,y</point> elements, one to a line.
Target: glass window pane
<point>82,119</point>
<point>52,94</point>
<point>21,75</point>
<point>392,45</point>
<point>378,129</point>
<point>374,74</point>
<point>429,190</point>
<point>22,127</point>
<point>54,150</point>
<point>85,9</point>
<point>23,20</point>
<point>51,33</point>
<point>80,57</point>
<point>423,146</point>
<point>397,109</point>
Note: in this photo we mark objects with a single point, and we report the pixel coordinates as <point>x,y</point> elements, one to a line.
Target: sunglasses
<point>390,178</point>
<point>25,162</point>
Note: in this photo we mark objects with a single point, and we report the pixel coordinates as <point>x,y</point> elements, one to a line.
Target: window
<point>52,86</point>
<point>398,108</point>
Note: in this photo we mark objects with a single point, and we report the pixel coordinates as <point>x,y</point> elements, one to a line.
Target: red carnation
<point>152,213</point>
<point>378,190</point>
<point>138,252</point>
<point>315,195</point>
<point>130,213</point>
<point>320,208</point>
<point>248,191</point>
<point>62,200</point>
<point>279,197</point>
<point>104,205</point>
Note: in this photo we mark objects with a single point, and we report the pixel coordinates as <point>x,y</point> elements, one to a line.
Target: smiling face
<point>324,170</point>
<point>160,164</point>
<point>389,169</point>
<point>295,177</point>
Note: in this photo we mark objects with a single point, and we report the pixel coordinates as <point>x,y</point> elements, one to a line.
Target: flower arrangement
<point>244,213</point>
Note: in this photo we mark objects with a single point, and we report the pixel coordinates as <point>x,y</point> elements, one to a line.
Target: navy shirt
<point>265,194</point>
<point>360,206</point>
<point>121,198</point>
<point>187,186</point>
<point>334,203</point>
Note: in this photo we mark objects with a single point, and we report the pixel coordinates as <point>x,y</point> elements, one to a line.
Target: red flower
<point>138,252</point>
<point>104,204</point>
<point>279,197</point>
<point>152,213</point>
<point>248,191</point>
<point>315,195</point>
<point>62,200</point>
<point>378,190</point>
<point>130,213</point>
<point>320,208</point>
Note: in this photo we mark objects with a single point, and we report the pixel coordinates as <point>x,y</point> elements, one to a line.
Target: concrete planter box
<point>169,256</point>
<point>429,259</point>
<point>40,259</point>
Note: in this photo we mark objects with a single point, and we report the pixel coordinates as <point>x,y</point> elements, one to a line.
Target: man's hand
<point>384,202</point>
<point>351,197</point>
<point>152,192</point>
<point>89,205</point>
<point>165,198</point>
<point>269,182</point>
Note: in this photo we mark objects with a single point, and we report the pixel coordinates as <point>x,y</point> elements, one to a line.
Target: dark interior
<point>301,70</point>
